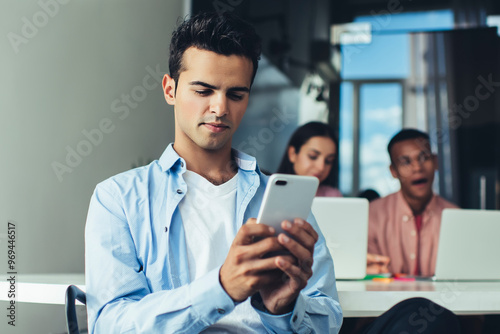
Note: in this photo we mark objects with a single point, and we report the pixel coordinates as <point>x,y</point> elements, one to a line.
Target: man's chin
<point>213,145</point>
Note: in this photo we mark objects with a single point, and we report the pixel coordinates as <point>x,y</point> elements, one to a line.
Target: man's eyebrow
<point>232,89</point>
<point>201,83</point>
<point>407,157</point>
<point>239,89</point>
<point>403,157</point>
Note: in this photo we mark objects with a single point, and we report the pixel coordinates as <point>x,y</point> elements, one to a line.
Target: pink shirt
<point>327,191</point>
<point>392,232</point>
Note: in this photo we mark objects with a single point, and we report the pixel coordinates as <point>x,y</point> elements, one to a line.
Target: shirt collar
<point>170,159</point>
<point>428,211</point>
<point>244,161</point>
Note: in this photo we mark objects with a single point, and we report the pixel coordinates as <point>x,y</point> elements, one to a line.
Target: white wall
<point>64,70</point>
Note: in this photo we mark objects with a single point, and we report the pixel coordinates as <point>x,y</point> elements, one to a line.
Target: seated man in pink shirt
<point>403,230</point>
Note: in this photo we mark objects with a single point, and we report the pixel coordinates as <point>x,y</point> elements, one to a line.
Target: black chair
<point>73,293</point>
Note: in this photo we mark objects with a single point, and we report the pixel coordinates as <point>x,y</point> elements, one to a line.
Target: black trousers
<point>411,316</point>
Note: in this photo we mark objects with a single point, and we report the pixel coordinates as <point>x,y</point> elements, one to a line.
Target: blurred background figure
<point>369,194</point>
<point>413,214</point>
<point>312,150</point>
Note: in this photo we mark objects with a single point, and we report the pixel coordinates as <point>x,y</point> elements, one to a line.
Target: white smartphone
<point>287,197</point>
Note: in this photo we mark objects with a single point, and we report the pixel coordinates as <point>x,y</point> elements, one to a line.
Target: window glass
<point>411,21</point>
<point>380,119</point>
<point>387,56</point>
<point>345,139</point>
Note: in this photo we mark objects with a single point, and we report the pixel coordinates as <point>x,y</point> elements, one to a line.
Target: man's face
<point>210,100</point>
<point>414,165</point>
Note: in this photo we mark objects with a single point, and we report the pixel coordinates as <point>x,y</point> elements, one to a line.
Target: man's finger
<point>250,231</point>
<point>307,227</point>
<point>296,274</point>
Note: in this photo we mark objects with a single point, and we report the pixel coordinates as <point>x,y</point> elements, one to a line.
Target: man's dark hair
<point>222,33</point>
<point>300,136</point>
<point>406,134</point>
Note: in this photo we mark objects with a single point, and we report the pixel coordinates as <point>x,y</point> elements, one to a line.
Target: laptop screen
<point>469,247</point>
<point>344,223</point>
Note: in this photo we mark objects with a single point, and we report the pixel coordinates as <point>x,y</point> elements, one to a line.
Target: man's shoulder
<point>382,209</point>
<point>131,178</point>
<point>382,202</point>
<point>442,203</point>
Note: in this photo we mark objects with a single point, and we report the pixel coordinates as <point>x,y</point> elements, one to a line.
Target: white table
<point>357,298</point>
<point>369,298</point>
<point>42,288</point>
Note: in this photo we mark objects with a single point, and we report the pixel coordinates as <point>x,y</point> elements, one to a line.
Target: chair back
<point>73,293</point>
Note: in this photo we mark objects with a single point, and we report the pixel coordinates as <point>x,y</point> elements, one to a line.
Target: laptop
<point>344,223</point>
<point>469,246</point>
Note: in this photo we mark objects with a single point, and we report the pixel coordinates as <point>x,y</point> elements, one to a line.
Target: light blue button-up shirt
<point>136,266</point>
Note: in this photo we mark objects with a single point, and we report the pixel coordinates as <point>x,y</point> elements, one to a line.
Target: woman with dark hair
<point>312,150</point>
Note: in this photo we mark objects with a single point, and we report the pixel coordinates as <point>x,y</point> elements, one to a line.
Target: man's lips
<point>419,182</point>
<point>216,127</point>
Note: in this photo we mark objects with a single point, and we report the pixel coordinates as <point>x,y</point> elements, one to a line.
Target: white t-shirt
<point>208,213</point>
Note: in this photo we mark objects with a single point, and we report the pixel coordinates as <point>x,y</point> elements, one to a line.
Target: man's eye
<point>424,157</point>
<point>235,97</point>
<point>203,92</point>
<point>404,162</point>
<point>312,157</point>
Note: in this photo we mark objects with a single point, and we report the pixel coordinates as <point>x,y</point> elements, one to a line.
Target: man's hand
<point>377,264</point>
<point>245,269</point>
<point>279,296</point>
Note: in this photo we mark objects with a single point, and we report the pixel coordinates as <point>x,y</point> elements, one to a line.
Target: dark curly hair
<point>222,33</point>
<point>406,134</point>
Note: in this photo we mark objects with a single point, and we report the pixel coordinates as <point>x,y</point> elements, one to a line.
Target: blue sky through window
<point>346,138</point>
<point>376,128</point>
<point>386,57</point>
<point>411,21</point>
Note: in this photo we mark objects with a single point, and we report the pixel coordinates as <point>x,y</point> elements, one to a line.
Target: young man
<point>170,247</point>
<point>404,227</point>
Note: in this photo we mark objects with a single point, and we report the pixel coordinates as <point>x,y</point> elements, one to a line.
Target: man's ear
<point>435,161</point>
<point>292,155</point>
<point>394,172</point>
<point>169,89</point>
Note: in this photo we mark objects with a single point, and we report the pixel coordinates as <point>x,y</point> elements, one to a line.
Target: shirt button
<point>221,311</point>
<point>182,164</point>
<point>412,256</point>
<point>405,218</point>
<point>294,318</point>
<point>179,191</point>
<point>413,233</point>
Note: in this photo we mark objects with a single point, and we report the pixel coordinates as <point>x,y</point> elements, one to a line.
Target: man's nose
<point>218,105</point>
<point>416,165</point>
